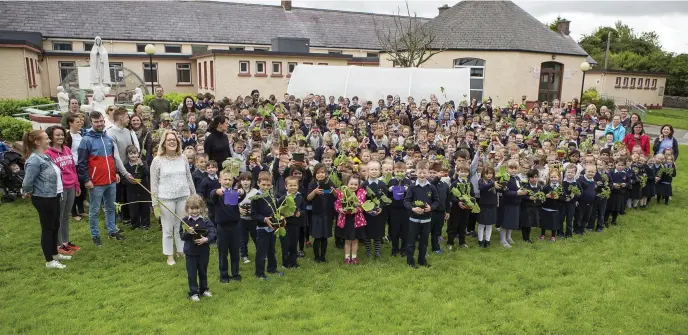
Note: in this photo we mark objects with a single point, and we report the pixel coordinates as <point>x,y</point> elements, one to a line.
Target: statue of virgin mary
<point>100,67</point>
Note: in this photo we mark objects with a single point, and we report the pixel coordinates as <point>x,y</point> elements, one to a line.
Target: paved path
<point>681,135</point>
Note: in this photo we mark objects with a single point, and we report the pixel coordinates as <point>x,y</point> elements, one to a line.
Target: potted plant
<point>374,202</point>
<point>462,192</point>
<point>349,200</point>
<point>279,211</point>
<point>419,204</point>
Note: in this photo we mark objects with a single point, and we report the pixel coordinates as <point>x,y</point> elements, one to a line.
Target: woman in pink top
<point>61,155</point>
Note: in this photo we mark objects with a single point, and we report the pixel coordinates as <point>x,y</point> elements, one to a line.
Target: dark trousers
<point>421,232</point>
<point>566,215</point>
<point>78,207</point>
<point>598,211</point>
<point>398,228</point>
<point>289,244</point>
<point>248,227</point>
<point>584,216</point>
<point>458,219</point>
<point>121,197</point>
<point>139,213</point>
<point>197,269</point>
<point>265,248</point>
<point>304,236</point>
<point>437,221</point>
<point>49,217</point>
<point>472,219</point>
<point>320,248</point>
<point>228,242</point>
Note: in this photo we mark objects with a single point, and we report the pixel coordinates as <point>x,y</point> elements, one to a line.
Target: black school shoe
<point>96,240</point>
<point>118,236</point>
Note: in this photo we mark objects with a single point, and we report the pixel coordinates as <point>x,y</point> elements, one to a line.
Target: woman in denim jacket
<point>43,184</point>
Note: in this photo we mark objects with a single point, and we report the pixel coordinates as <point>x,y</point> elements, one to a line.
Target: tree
<point>407,41</point>
<point>554,25</point>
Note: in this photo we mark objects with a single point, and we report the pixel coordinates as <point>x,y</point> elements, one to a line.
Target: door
<point>550,81</point>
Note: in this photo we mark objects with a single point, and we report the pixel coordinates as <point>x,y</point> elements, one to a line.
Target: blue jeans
<point>97,196</point>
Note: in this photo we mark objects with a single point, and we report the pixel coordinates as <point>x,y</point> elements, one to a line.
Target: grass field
<point>675,117</point>
<point>629,279</point>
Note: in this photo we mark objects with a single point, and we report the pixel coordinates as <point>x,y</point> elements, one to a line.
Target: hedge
<point>12,129</point>
<point>174,98</point>
<point>9,107</point>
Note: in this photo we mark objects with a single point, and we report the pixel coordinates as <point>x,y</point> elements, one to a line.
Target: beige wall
<point>14,79</point>
<point>605,83</point>
<point>229,83</point>
<point>509,75</point>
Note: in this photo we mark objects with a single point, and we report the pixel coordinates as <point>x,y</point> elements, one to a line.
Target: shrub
<point>12,129</point>
<point>606,102</point>
<point>174,98</point>
<point>9,107</point>
<point>591,96</point>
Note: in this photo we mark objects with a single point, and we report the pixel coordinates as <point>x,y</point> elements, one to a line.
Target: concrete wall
<point>510,75</point>
<point>606,84</point>
<point>675,102</point>
<point>14,77</point>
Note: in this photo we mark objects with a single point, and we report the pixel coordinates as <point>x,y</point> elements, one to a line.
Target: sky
<point>669,19</point>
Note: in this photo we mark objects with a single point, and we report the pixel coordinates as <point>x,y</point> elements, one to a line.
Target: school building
<point>228,49</point>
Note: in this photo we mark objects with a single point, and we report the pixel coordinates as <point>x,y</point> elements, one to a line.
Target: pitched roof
<point>191,21</point>
<point>497,25</point>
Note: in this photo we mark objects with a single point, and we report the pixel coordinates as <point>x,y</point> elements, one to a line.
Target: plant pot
<point>277,223</point>
<point>199,233</point>
<point>231,197</point>
<point>398,192</point>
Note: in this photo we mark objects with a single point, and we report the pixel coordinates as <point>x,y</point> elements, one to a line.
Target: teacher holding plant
<point>171,184</point>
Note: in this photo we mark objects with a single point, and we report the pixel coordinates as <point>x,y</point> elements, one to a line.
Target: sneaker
<point>64,250</point>
<point>224,280</point>
<point>465,246</point>
<point>506,245</point>
<point>377,255</point>
<point>439,252</point>
<point>246,260</point>
<point>279,274</point>
<point>195,298</point>
<point>116,235</point>
<point>347,261</point>
<point>354,261</point>
<point>481,244</point>
<point>207,294</point>
<point>529,241</point>
<point>599,230</point>
<point>588,229</point>
<point>171,262</point>
<point>61,257</point>
<point>96,240</point>
<point>487,244</point>
<point>499,229</point>
<point>510,241</point>
<point>263,277</point>
<point>542,237</point>
<point>54,264</point>
<point>301,254</point>
<point>552,239</point>
<point>73,246</point>
<point>368,254</point>
<point>450,247</point>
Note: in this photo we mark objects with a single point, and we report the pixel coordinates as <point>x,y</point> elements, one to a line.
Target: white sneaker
<point>207,294</point>
<point>511,241</point>
<point>54,265</point>
<point>246,260</point>
<point>195,298</point>
<point>61,257</point>
<point>171,262</point>
<point>506,245</point>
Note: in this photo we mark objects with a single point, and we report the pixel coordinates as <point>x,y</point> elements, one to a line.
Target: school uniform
<point>139,212</point>
<point>375,224</point>
<point>664,188</point>
<point>322,215</point>
<point>290,241</point>
<point>488,203</point>
<point>228,234</point>
<point>438,214</point>
<point>530,210</point>
<point>208,185</point>
<point>616,201</point>
<point>511,203</point>
<point>458,217</point>
<point>197,256</point>
<point>247,224</point>
<point>549,214</point>
<point>649,190</point>
<point>419,224</point>
<point>600,205</point>
<point>586,204</point>
<point>265,237</point>
<point>636,192</point>
<point>351,226</point>
<point>567,213</point>
<point>198,177</point>
<point>398,214</point>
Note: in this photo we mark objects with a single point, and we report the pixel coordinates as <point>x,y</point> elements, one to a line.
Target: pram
<point>11,175</point>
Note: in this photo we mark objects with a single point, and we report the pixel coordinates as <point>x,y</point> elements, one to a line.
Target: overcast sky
<point>669,19</point>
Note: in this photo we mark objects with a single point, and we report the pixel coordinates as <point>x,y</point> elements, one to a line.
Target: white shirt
<point>76,140</point>
<point>60,188</point>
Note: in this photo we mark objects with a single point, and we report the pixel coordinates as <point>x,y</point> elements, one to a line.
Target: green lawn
<point>675,117</point>
<point>630,279</point>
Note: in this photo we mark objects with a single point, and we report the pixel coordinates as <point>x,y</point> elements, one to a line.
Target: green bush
<point>591,96</point>
<point>174,98</point>
<point>9,107</point>
<point>606,102</point>
<point>12,129</point>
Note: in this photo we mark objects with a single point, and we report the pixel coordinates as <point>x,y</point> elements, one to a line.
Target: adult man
<point>73,109</point>
<point>159,105</point>
<point>122,137</point>
<point>96,169</point>
<point>625,120</point>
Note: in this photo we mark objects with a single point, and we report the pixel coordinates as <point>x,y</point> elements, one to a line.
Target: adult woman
<point>634,118</point>
<point>188,106</point>
<point>138,109</point>
<point>62,156</point>
<point>616,128</point>
<point>109,122</point>
<point>216,144</point>
<point>43,184</point>
<point>142,134</point>
<point>637,138</point>
<point>665,141</point>
<point>171,184</point>
<point>73,140</point>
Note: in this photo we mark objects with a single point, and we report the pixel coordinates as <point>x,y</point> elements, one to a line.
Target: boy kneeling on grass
<point>196,239</point>
<point>421,199</point>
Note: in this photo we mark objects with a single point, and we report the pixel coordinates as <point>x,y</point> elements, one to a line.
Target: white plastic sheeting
<point>373,83</point>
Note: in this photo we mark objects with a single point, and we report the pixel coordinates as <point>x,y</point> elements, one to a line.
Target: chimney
<point>443,8</point>
<point>286,5</point>
<point>563,27</point>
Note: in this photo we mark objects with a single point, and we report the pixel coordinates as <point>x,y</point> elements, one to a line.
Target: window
<point>654,84</point>
<point>322,63</point>
<point>632,82</point>
<point>205,74</point>
<point>199,74</point>
<point>173,49</point>
<point>477,67</point>
<point>640,82</point>
<point>617,83</point>
<point>88,46</point>
<point>212,76</point>
<point>647,83</point>
<point>277,68</point>
<point>28,72</point>
<point>291,67</point>
<point>140,48</point>
<point>334,52</point>
<point>661,91</point>
<point>33,72</point>
<point>261,49</point>
<point>237,48</point>
<point>62,46</point>
<point>183,73</point>
<point>372,55</point>
<point>65,69</point>
<point>260,67</point>
<point>244,66</point>
<point>150,74</point>
<point>116,72</point>
<point>308,63</point>
<point>625,82</point>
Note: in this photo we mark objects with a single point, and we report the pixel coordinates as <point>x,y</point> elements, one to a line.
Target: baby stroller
<point>11,175</point>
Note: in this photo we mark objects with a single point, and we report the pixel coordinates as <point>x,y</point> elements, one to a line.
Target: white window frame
<point>179,67</point>
<point>113,66</point>
<point>71,45</point>
<point>260,62</point>
<point>65,66</point>
<point>173,46</point>
<point>155,68</point>
<point>470,67</point>
<point>248,67</point>
<point>290,70</point>
<point>280,68</point>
